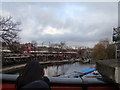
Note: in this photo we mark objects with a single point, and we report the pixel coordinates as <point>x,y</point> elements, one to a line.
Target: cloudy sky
<point>77,24</point>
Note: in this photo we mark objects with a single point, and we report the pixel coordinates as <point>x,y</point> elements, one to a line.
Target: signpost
<point>116,39</point>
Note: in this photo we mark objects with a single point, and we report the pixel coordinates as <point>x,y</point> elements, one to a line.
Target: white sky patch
<point>4,13</point>
<point>60,0</point>
<point>54,31</point>
<point>72,11</point>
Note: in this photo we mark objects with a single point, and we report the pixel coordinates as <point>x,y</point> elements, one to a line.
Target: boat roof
<point>58,80</point>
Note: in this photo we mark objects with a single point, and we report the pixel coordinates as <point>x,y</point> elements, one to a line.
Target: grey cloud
<point>89,22</point>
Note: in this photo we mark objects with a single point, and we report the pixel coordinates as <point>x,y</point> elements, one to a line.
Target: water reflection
<point>60,69</point>
<point>65,68</point>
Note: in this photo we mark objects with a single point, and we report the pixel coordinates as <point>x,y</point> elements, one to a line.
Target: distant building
<point>87,52</point>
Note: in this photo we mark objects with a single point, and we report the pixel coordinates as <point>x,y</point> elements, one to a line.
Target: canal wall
<point>109,69</point>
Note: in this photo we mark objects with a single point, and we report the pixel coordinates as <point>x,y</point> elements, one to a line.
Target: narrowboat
<point>60,83</point>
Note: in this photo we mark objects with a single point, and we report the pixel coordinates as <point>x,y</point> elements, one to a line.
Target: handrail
<point>58,80</point>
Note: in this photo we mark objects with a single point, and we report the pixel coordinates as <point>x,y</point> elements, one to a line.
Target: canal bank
<point>16,67</point>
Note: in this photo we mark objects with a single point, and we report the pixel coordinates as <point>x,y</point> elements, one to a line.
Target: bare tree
<point>34,44</point>
<point>62,46</point>
<point>9,31</point>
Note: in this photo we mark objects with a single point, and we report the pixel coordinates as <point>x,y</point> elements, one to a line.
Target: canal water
<point>61,69</point>
<point>57,70</point>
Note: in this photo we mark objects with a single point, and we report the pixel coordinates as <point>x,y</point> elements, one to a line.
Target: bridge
<point>109,69</point>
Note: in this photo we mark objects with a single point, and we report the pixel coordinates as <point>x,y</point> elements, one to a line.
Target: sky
<point>76,23</point>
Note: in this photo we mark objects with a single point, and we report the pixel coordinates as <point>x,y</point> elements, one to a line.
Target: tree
<point>99,52</point>
<point>111,51</point>
<point>34,45</point>
<point>62,46</point>
<point>104,43</point>
<point>9,31</point>
<point>104,50</point>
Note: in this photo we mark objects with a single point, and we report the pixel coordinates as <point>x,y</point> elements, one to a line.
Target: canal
<point>65,68</point>
<point>60,69</point>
